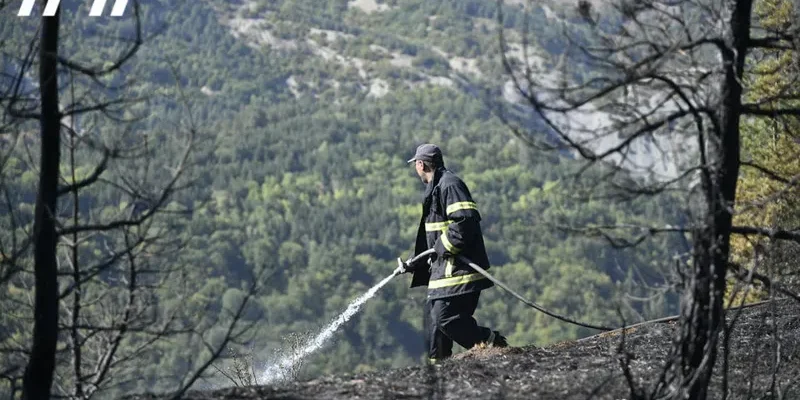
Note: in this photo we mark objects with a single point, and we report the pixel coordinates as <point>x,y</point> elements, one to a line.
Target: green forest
<point>297,176</point>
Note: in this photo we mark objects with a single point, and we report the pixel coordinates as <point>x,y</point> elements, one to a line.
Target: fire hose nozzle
<point>401,267</point>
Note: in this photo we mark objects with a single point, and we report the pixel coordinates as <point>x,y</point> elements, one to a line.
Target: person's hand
<point>402,267</point>
<point>431,259</point>
<point>409,266</point>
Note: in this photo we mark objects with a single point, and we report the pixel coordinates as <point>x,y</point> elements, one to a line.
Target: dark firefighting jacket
<point>450,224</point>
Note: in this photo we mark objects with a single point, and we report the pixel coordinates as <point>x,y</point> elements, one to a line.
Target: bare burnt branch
<point>748,275</point>
<point>670,70</point>
<point>775,360</point>
<point>116,328</point>
<point>751,109</point>
<point>771,233</point>
<point>91,272</point>
<point>97,335</point>
<point>789,186</point>
<point>9,259</point>
<point>624,357</point>
<point>618,242</point>
<point>771,44</point>
<point>92,178</point>
<point>768,172</point>
<point>231,334</point>
<point>157,204</point>
<point>15,351</point>
<point>74,334</point>
<point>15,96</point>
<point>621,148</point>
<point>104,106</point>
<point>727,331</point>
<point>226,375</point>
<point>97,72</point>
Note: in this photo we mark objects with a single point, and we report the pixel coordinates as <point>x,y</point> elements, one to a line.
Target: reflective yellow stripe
<point>437,226</point>
<point>449,246</point>
<point>461,205</point>
<point>448,268</point>
<point>456,280</point>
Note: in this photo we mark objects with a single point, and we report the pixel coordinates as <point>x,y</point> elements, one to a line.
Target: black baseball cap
<point>428,152</point>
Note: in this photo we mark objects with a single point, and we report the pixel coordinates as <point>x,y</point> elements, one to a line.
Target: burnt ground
<point>586,368</point>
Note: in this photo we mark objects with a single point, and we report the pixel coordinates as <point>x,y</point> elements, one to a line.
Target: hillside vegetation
<point>306,112</point>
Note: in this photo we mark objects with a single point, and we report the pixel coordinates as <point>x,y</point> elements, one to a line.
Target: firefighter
<point>450,225</point>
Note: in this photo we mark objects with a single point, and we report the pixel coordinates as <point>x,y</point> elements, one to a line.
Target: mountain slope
<point>307,111</point>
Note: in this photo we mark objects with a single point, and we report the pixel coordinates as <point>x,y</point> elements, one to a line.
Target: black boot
<point>497,340</point>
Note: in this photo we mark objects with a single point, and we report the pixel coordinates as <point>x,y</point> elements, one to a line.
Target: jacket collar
<point>432,184</point>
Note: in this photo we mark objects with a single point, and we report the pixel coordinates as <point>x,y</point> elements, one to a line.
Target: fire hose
<point>400,269</point>
<point>537,307</point>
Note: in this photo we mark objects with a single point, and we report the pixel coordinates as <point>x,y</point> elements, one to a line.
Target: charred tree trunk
<point>703,310</point>
<point>39,372</point>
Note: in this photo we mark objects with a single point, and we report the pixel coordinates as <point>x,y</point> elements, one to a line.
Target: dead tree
<point>39,372</point>
<point>663,78</point>
<point>101,276</point>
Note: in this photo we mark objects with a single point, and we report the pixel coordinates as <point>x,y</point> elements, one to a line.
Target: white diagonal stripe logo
<point>26,8</point>
<point>97,8</point>
<point>51,7</point>
<point>119,8</point>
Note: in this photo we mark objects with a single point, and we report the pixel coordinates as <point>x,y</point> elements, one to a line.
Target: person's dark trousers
<point>450,320</point>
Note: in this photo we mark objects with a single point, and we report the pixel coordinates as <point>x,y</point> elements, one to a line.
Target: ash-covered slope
<point>588,368</point>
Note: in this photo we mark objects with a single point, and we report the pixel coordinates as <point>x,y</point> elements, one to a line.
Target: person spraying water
<point>451,226</point>
<point>449,238</point>
<point>277,371</point>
